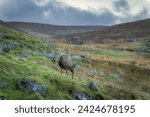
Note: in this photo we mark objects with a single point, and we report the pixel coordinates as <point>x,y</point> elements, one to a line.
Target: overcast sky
<point>75,12</point>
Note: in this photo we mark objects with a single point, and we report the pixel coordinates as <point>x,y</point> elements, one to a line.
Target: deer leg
<point>67,72</point>
<point>72,71</point>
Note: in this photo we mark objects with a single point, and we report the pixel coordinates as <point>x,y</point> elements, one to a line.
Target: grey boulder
<point>93,86</point>
<point>32,86</point>
<point>82,96</point>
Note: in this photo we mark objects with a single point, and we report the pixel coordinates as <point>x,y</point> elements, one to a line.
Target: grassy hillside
<point>14,66</point>
<point>119,70</point>
<point>124,73</point>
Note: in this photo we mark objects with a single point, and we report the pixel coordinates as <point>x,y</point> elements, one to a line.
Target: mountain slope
<point>48,31</point>
<point>30,59</point>
<point>127,31</point>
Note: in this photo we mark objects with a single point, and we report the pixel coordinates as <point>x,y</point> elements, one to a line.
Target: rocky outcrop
<point>32,86</point>
<point>3,85</point>
<point>10,45</point>
<point>93,86</point>
<point>82,96</point>
<point>5,36</point>
<point>81,58</point>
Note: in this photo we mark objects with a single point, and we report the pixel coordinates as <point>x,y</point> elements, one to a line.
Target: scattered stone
<point>81,58</point>
<point>2,46</point>
<point>13,45</point>
<point>3,85</point>
<point>116,76</point>
<point>93,86</point>
<point>10,45</point>
<point>144,49</point>
<point>1,36</point>
<point>82,96</point>
<point>26,54</point>
<point>32,86</point>
<point>6,50</point>
<point>51,41</point>
<point>6,36</point>
<point>94,71</point>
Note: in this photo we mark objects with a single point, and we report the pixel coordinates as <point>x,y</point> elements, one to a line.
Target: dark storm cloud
<point>61,14</point>
<point>121,6</point>
<point>72,16</point>
<point>19,10</point>
<point>26,10</point>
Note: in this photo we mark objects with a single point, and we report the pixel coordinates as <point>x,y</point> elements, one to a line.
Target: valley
<point>111,65</point>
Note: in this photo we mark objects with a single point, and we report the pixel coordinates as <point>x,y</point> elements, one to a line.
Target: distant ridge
<point>130,31</point>
<point>126,31</point>
<point>48,30</point>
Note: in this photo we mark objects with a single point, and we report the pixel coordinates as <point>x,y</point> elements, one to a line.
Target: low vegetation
<point>118,73</point>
